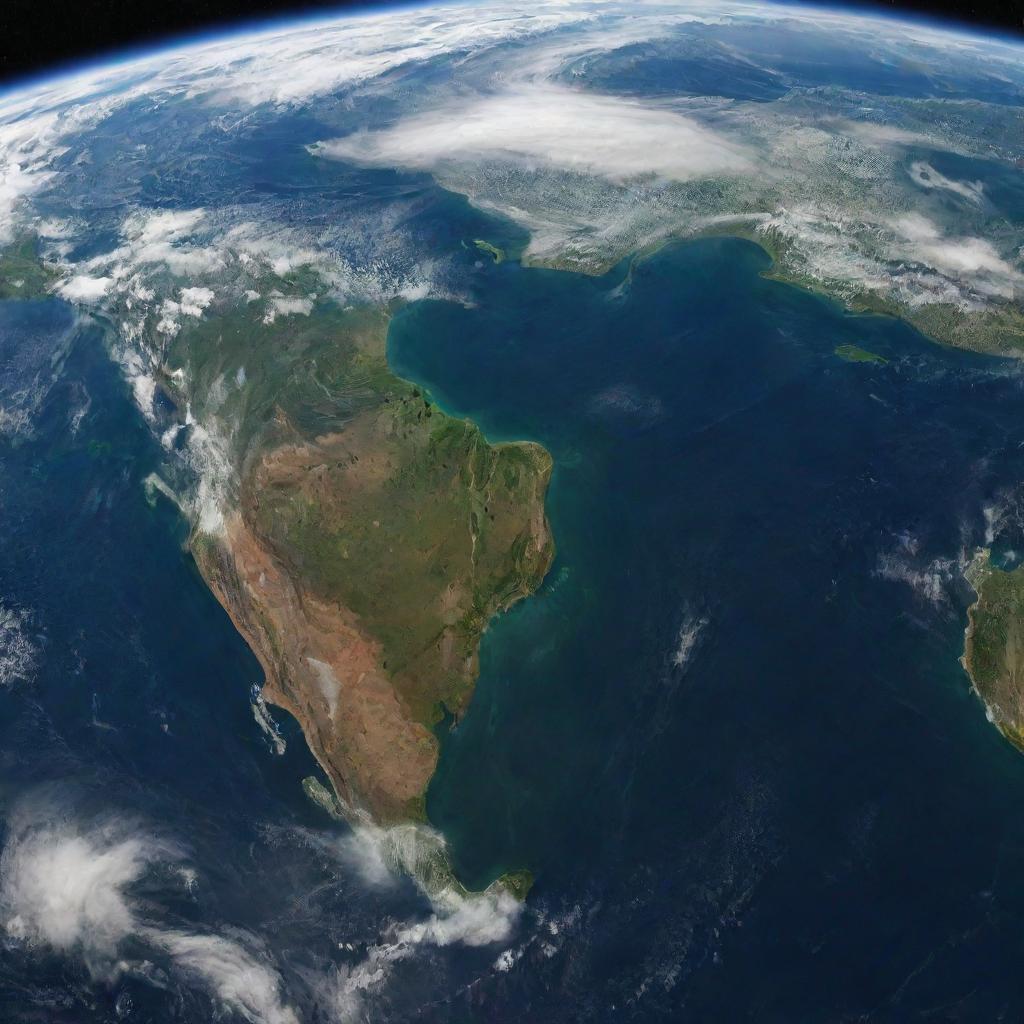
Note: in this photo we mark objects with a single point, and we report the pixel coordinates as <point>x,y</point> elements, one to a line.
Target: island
<point>856,354</point>
<point>497,254</point>
<point>994,643</point>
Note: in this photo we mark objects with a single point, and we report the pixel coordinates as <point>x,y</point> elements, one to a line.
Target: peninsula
<point>994,643</point>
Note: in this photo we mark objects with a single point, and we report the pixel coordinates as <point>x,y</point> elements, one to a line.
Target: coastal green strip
<point>856,354</point>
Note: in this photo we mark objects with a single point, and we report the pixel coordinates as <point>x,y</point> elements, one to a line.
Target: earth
<point>515,514</point>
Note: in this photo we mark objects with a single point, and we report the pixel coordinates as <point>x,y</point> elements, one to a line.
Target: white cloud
<point>55,228</point>
<point>233,974</point>
<point>207,453</point>
<point>167,238</point>
<point>85,289</point>
<point>27,148</point>
<point>973,261</point>
<point>195,300</point>
<point>886,134</point>
<point>68,886</point>
<point>151,227</point>
<point>17,652</point>
<point>68,889</point>
<point>927,177</point>
<point>928,582</point>
<point>457,916</point>
<point>478,919</point>
<point>686,640</point>
<point>281,305</point>
<point>616,138</point>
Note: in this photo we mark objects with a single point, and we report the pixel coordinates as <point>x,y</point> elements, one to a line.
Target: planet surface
<point>515,513</point>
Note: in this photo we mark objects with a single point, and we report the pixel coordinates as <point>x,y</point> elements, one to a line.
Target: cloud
<point>27,148</point>
<point>68,885</point>
<point>927,177</point>
<point>973,261</point>
<point>281,305</point>
<point>478,919</point>
<point>68,889</point>
<point>291,67</point>
<point>166,238</point>
<point>928,582</point>
<point>195,300</point>
<point>36,129</point>
<point>17,652</point>
<point>686,640</point>
<point>456,917</point>
<point>886,134</point>
<point>615,138</point>
<point>85,289</point>
<point>232,973</point>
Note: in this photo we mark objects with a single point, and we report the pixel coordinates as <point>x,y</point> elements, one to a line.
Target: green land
<point>496,253</point>
<point>368,536</point>
<point>856,354</point>
<point>401,525</point>
<point>22,274</point>
<point>994,643</point>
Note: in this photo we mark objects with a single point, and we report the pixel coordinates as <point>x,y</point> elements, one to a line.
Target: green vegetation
<point>300,376</point>
<point>997,331</point>
<point>420,852</point>
<point>99,449</point>
<point>413,521</point>
<point>320,795</point>
<point>994,644</point>
<point>856,354</point>
<point>403,524</point>
<point>23,275</point>
<point>518,883</point>
<point>496,253</point>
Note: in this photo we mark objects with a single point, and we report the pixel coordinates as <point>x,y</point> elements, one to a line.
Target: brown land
<point>363,567</point>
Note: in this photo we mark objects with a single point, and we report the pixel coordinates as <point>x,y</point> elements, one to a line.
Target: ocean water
<point>730,736</point>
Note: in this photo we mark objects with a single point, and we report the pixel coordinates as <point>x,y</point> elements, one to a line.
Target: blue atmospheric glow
<point>152,49</point>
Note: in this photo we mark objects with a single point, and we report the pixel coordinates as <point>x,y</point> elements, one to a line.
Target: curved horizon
<point>120,57</point>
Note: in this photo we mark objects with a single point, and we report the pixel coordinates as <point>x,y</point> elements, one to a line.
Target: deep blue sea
<point>730,736</point>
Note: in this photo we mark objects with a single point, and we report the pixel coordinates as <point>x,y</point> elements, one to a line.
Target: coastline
<point>992,649</point>
<point>323,532</point>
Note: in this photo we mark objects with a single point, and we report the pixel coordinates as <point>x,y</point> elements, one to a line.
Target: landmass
<point>366,537</point>
<point>496,253</point>
<point>371,539</point>
<point>994,643</point>
<point>23,275</point>
<point>419,852</point>
<point>856,354</point>
<point>360,537</point>
<point>997,329</point>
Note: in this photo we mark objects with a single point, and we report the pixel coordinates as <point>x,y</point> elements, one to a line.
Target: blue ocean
<point>730,736</point>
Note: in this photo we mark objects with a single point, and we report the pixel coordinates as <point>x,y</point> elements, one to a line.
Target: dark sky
<point>36,35</point>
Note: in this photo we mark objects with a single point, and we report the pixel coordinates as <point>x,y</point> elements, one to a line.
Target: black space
<point>38,35</point>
